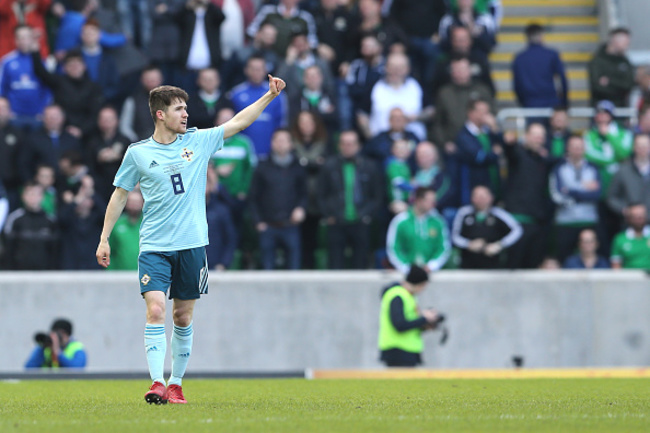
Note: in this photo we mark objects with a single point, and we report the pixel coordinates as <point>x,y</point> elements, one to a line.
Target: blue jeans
<point>288,238</point>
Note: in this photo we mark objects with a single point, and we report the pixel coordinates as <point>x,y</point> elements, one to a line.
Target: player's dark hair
<point>62,325</point>
<point>559,108</point>
<point>421,192</point>
<point>162,97</point>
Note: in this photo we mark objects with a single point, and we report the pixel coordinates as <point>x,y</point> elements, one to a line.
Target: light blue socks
<point>155,345</point>
<point>181,351</point>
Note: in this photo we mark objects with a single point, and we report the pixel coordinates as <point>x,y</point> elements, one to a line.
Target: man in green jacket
<point>607,143</point>
<point>419,235</point>
<point>611,75</point>
<point>401,322</point>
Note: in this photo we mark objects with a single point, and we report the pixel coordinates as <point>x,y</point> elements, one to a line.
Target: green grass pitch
<point>296,405</point>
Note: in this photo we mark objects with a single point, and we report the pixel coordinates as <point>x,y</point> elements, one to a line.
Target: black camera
<point>441,318</point>
<point>43,339</point>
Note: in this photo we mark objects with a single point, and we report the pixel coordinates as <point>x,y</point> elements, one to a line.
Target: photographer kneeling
<point>57,349</point>
<point>401,323</point>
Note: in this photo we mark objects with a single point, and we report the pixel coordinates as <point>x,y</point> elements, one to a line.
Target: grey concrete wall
<point>286,321</point>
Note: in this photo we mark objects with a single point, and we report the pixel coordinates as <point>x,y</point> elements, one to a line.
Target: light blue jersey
<point>172,179</point>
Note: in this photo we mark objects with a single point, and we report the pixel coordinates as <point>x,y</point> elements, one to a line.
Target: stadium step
<point>549,8</point>
<point>571,27</point>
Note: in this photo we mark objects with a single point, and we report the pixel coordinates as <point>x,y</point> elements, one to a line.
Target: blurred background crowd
<point>384,150</point>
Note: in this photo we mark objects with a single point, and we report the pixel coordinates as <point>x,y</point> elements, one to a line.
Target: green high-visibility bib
<point>391,338</point>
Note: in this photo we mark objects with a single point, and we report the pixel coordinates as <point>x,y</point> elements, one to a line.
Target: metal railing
<point>521,114</point>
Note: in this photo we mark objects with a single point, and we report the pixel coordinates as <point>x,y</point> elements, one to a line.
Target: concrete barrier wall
<point>286,321</point>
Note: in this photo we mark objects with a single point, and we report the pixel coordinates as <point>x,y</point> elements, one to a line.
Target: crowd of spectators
<point>383,151</point>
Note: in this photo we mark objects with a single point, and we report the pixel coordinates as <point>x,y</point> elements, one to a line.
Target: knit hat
<point>417,275</point>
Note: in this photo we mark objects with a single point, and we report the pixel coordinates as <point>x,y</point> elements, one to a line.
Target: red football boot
<point>156,394</point>
<point>175,395</point>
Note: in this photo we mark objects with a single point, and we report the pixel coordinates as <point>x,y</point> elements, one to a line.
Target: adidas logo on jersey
<point>153,164</point>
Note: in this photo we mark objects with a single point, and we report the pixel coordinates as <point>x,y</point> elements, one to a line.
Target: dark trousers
<point>288,238</point>
<point>530,249</point>
<point>339,236</point>
<point>400,358</point>
<point>566,240</point>
<point>309,229</point>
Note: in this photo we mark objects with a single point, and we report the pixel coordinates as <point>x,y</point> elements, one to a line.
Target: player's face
<point>175,117</point>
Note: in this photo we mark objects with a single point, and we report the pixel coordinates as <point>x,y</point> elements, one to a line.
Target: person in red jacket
<point>29,12</point>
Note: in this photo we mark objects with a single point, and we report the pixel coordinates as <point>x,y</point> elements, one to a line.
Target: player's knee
<point>182,318</point>
<point>156,313</point>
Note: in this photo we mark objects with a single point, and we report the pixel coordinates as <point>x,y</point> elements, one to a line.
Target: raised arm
<point>248,115</point>
<point>113,212</point>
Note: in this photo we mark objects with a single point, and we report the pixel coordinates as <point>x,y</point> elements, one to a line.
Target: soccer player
<point>171,167</point>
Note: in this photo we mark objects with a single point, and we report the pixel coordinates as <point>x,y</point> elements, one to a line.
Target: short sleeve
<point>617,250</point>
<point>212,138</point>
<point>128,174</point>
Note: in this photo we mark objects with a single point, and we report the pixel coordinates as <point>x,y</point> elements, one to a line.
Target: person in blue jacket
<point>57,349</point>
<point>535,71</point>
<point>274,116</point>
<point>27,95</point>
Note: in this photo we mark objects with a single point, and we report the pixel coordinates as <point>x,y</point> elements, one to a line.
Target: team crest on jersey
<point>433,232</point>
<point>187,154</point>
<point>145,279</point>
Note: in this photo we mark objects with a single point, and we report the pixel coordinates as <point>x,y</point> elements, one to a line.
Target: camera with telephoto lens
<point>43,339</point>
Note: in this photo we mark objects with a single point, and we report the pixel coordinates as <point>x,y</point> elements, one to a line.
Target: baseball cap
<point>606,105</point>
